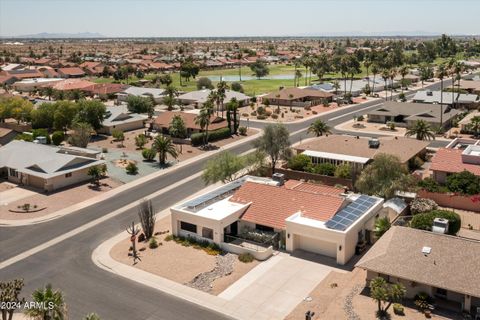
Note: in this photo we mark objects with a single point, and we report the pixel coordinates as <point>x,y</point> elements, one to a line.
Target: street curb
<point>104,196</point>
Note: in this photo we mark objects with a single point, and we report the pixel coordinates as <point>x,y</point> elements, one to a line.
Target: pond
<point>250,77</point>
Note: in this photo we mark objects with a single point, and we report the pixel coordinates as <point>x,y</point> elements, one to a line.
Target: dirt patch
<point>123,163</point>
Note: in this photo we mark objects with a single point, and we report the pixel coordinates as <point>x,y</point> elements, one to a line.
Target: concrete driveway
<point>13,194</point>
<point>274,288</point>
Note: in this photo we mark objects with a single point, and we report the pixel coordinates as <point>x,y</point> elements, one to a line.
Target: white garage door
<point>316,246</point>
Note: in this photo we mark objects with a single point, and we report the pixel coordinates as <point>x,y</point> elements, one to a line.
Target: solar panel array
<point>214,194</point>
<point>348,215</point>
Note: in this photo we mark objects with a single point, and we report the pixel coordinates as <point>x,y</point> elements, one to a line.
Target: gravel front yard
<point>185,265</point>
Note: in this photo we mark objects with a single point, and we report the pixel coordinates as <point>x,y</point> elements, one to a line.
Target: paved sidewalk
<point>107,195</point>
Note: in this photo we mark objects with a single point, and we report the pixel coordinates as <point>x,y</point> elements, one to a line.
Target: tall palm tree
<point>392,75</point>
<point>319,128</point>
<point>171,94</point>
<point>203,119</point>
<point>403,72</point>
<point>441,74</point>
<point>164,146</point>
<point>336,86</point>
<point>459,68</point>
<point>385,76</point>
<point>240,57</point>
<point>298,75</point>
<point>53,300</point>
<point>343,69</point>
<point>374,72</point>
<point>222,88</point>
<point>367,63</point>
<point>422,130</point>
<point>232,108</point>
<point>451,66</point>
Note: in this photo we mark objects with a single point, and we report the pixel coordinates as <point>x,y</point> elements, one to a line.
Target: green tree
<point>222,88</point>
<point>63,114</point>
<point>424,221</point>
<point>275,142</point>
<point>232,109</point>
<point>421,130</point>
<point>384,176</point>
<point>343,171</point>
<point>164,146</point>
<point>119,136</point>
<point>58,137</point>
<point>170,98</point>
<point>97,173</point>
<point>464,182</point>
<point>91,112</point>
<point>137,104</point>
<point>319,128</point>
<point>177,128</point>
<point>299,162</point>
<point>203,119</point>
<point>381,226</point>
<point>47,296</point>
<point>474,125</point>
<point>10,295</point>
<point>259,69</point>
<point>224,167</point>
<point>48,92</point>
<point>140,141</point>
<point>385,294</point>
<point>204,83</point>
<point>81,135</point>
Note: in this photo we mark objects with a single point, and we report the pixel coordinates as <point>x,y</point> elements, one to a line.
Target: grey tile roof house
<point>45,167</point>
<point>155,93</point>
<point>200,96</point>
<point>407,113</point>
<point>435,97</point>
<point>120,118</point>
<point>443,266</point>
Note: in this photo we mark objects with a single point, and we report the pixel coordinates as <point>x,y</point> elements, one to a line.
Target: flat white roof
<point>335,156</point>
<point>218,210</point>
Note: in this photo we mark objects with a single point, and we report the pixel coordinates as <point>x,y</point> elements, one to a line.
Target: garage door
<point>316,246</point>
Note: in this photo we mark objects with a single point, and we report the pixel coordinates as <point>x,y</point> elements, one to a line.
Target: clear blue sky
<point>161,18</point>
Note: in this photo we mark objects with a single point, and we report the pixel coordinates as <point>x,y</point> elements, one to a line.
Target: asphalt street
<point>68,266</point>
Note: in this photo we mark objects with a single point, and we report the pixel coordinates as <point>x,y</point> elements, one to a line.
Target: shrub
<point>261,117</point>
<point>420,205</point>
<point>398,309</point>
<point>242,130</point>
<point>197,138</point>
<point>237,87</point>
<point>24,137</point>
<point>274,116</point>
<point>360,118</point>
<point>245,257</point>
<point>261,110</point>
<point>431,185</point>
<point>204,83</point>
<point>343,171</point>
<point>299,162</point>
<point>464,182</point>
<point>169,237</point>
<point>267,113</point>
<point>140,140</point>
<point>41,133</point>
<point>245,115</point>
<point>254,113</point>
<point>58,137</point>
<point>153,244</point>
<point>131,168</point>
<point>415,163</point>
<point>326,169</point>
<point>104,150</point>
<point>148,154</point>
<point>424,221</point>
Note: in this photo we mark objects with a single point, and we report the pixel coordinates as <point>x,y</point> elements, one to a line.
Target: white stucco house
<point>259,215</point>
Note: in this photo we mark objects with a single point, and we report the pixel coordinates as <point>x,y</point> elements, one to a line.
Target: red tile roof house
<point>258,215</point>
<point>459,155</point>
<point>71,72</point>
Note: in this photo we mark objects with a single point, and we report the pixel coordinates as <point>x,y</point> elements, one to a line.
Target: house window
<point>207,233</point>
<point>13,173</point>
<point>263,228</point>
<point>188,227</point>
<point>68,175</point>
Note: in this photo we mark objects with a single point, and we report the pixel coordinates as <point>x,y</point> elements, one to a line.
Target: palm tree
<point>441,73</point>
<point>222,88</point>
<point>367,63</point>
<point>459,68</point>
<point>171,94</point>
<point>385,75</point>
<point>451,65</point>
<point>319,128</point>
<point>374,72</point>
<point>53,300</point>
<point>403,72</point>
<point>392,74</point>
<point>336,86</point>
<point>164,146</point>
<point>48,91</point>
<point>381,226</point>
<point>203,119</point>
<point>343,68</point>
<point>422,130</point>
<point>298,75</point>
<point>240,57</point>
<point>474,125</point>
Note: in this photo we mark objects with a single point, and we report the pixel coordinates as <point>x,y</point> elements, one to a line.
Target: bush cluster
<point>197,138</point>
<point>209,247</point>
<point>245,257</point>
<point>424,221</point>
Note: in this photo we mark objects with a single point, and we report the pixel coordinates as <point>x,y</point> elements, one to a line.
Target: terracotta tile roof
<point>452,263</point>
<point>312,188</point>
<point>72,71</point>
<point>71,84</point>
<point>271,205</point>
<point>450,160</point>
<point>165,118</point>
<point>106,88</point>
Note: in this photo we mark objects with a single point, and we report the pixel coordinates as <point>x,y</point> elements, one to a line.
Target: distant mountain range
<point>46,35</point>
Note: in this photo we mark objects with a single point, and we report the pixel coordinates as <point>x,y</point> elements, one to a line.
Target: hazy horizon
<point>242,18</point>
